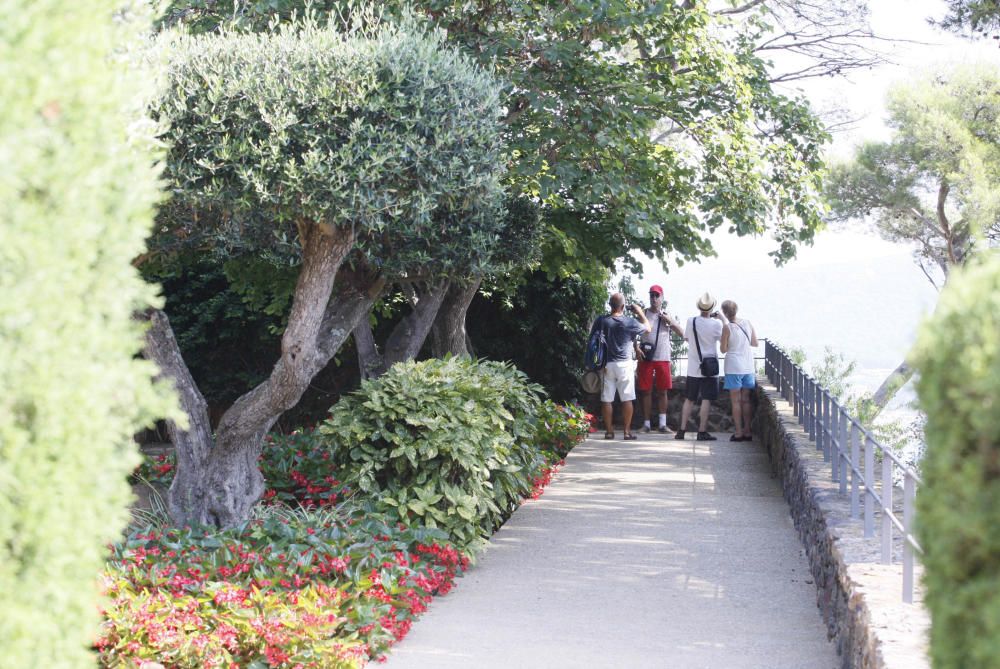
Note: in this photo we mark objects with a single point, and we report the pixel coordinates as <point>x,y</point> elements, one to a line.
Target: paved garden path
<point>649,553</point>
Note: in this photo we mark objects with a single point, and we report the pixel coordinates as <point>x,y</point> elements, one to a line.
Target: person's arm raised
<point>640,316</point>
<point>724,342</point>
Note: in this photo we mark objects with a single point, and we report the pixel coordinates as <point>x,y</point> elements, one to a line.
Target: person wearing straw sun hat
<point>703,333</point>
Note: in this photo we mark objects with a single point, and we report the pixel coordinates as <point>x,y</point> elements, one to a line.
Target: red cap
<point>656,289</point>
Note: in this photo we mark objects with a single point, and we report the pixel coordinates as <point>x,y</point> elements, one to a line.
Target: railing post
<point>869,487</point>
<point>812,409</point>
<point>845,435</point>
<point>909,493</point>
<point>825,430</point>
<point>797,392</point>
<point>886,510</point>
<point>837,444</point>
<point>855,453</point>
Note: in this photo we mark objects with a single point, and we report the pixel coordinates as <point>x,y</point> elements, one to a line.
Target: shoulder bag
<point>709,366</point>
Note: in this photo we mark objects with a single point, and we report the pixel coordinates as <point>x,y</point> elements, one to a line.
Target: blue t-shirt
<point>621,333</point>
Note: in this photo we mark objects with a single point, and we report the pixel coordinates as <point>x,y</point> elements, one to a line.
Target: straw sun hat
<point>706,302</point>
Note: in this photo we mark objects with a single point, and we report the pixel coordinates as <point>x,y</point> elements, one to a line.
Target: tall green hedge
<point>77,189</point>
<point>958,361</point>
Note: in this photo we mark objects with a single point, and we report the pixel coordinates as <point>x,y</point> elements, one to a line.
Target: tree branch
<point>739,10</point>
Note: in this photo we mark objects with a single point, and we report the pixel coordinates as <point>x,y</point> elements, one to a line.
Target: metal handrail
<point>842,438</point>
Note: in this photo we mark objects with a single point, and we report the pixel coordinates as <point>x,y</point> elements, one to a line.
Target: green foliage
<point>972,16</point>
<point>560,427</point>
<point>442,443</point>
<point>833,372</point>
<point>77,189</point>
<point>506,326</point>
<point>636,125</point>
<point>229,341</point>
<point>958,506</point>
<point>935,181</point>
<point>379,129</point>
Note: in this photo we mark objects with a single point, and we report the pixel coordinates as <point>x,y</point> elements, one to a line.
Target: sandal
<point>630,436</point>
<point>609,435</point>
<point>736,437</point>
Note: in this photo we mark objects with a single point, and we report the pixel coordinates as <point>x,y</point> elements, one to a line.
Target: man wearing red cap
<point>654,358</point>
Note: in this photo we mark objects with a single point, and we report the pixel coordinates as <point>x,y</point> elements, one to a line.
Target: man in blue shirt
<point>619,372</point>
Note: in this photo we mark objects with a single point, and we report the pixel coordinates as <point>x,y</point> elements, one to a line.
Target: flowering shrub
<point>560,428</point>
<point>538,483</point>
<point>293,589</point>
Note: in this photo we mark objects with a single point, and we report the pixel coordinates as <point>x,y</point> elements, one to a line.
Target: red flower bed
<point>299,591</point>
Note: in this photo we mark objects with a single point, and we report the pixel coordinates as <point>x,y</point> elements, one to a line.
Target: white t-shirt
<point>739,357</point>
<point>662,351</point>
<point>709,334</point>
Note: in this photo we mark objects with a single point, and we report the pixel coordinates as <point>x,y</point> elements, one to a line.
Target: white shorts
<point>619,376</point>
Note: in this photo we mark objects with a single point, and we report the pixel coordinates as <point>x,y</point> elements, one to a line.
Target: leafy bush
<point>77,189</point>
<point>958,360</point>
<point>560,428</point>
<point>309,589</point>
<point>443,443</point>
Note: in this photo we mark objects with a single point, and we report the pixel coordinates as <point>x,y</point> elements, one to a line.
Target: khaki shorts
<point>619,376</point>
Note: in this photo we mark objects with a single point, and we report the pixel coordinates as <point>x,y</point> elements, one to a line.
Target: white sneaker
<point>644,429</point>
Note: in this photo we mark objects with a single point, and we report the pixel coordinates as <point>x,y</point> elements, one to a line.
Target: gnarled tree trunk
<point>218,484</point>
<point>448,333</point>
<point>369,359</point>
<point>409,335</point>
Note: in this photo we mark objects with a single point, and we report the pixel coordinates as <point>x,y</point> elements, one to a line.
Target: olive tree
<point>371,151</point>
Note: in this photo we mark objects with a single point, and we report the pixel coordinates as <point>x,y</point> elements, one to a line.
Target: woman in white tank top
<point>738,340</point>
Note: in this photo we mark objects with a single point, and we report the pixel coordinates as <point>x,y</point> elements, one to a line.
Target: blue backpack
<point>597,346</point>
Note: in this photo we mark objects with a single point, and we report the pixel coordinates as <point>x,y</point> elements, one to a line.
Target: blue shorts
<point>737,381</point>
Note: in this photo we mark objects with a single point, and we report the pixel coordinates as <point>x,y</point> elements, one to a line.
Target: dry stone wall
<point>860,599</point>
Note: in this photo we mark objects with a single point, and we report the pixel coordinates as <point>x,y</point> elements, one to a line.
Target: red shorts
<point>663,379</point>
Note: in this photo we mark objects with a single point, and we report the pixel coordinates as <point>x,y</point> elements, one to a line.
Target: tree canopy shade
<point>637,126</point>
<point>372,137</point>
<point>77,191</point>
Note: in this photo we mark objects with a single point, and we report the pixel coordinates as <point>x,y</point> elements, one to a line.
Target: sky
<point>850,290</point>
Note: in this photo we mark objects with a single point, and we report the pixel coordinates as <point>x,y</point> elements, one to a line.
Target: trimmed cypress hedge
<point>958,359</point>
<point>77,189</point>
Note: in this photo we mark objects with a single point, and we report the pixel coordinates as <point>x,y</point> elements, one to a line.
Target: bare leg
<point>606,410</point>
<point>662,402</point>
<point>627,408</point>
<point>703,416</point>
<point>747,411</point>
<point>685,414</point>
<point>736,398</point>
<point>647,405</point>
